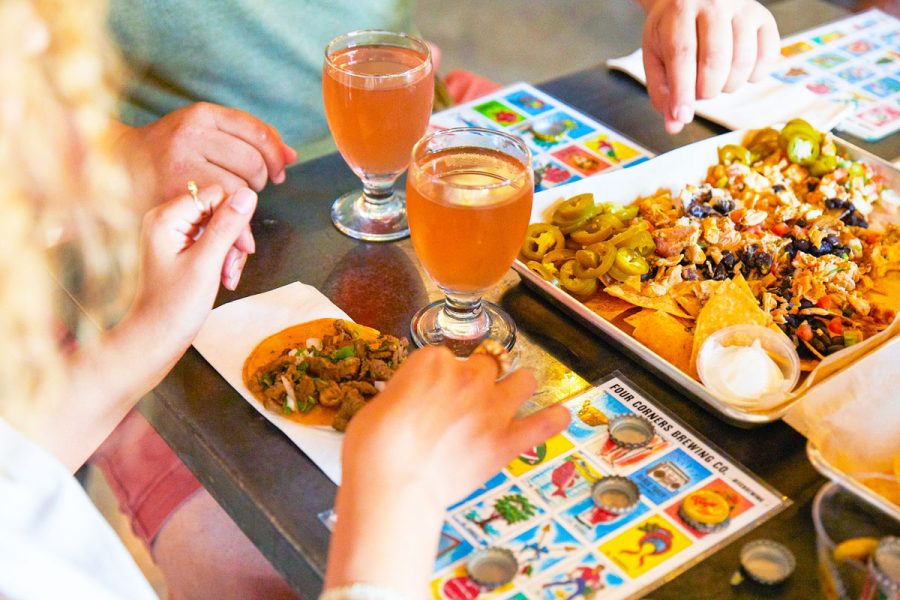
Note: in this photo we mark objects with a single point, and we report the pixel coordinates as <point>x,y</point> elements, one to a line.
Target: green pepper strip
<point>823,165</point>
<point>576,209</point>
<point>761,144</point>
<point>594,261</point>
<point>541,271</point>
<point>620,239</point>
<point>624,212</point>
<point>557,257</point>
<point>573,284</point>
<point>597,229</point>
<point>733,153</point>
<point>541,238</point>
<point>642,243</point>
<point>630,262</point>
<point>803,149</point>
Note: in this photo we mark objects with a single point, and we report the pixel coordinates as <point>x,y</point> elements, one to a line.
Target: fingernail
<point>684,113</point>
<point>242,201</point>
<point>291,154</point>
<point>279,178</point>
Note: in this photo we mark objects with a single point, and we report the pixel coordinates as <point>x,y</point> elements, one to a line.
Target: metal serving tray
<point>671,171</point>
<point>851,484</point>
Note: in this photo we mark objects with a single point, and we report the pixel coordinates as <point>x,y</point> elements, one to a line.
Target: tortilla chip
<point>886,487</point>
<point>731,304</point>
<point>886,291</point>
<point>665,304</point>
<point>295,337</point>
<point>665,335</point>
<point>607,306</point>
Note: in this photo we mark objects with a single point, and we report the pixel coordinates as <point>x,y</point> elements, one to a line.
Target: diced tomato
<point>754,230</point>
<point>736,215</point>
<point>824,302</point>
<point>836,326</point>
<point>839,175</point>
<point>780,228</point>
<point>804,332</point>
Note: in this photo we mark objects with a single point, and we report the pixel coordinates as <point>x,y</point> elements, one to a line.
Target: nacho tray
<point>850,483</point>
<point>672,170</point>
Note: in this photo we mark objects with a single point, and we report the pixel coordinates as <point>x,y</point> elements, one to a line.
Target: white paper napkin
<point>754,105</point>
<point>233,330</point>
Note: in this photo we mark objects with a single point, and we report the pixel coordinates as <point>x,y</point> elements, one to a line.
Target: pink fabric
<point>149,480</point>
<point>465,86</point>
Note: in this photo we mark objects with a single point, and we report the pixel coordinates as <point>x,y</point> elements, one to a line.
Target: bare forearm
<point>104,381</point>
<point>385,536</point>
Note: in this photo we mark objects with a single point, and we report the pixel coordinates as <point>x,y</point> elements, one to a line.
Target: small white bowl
<point>777,345</point>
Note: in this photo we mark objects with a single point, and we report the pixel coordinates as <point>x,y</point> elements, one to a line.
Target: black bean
<point>777,188</point>
<point>818,345</point>
<point>811,186</point>
<point>834,348</point>
<point>724,205</point>
<point>800,223</point>
<point>802,245</point>
<point>837,339</point>
<point>727,260</point>
<point>806,303</point>
<point>834,203</point>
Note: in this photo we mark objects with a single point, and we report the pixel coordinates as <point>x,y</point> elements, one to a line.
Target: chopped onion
<point>314,343</point>
<point>289,390</point>
<point>379,385</point>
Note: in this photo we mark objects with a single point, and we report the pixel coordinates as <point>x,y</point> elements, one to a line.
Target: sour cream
<point>742,372</point>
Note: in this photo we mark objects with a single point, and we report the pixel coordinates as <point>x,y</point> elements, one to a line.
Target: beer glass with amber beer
<point>469,194</point>
<point>378,88</point>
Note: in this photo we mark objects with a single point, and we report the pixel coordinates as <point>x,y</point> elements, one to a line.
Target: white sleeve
<point>53,542</point>
<point>361,591</point>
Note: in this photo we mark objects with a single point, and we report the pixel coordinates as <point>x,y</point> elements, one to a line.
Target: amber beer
<point>378,104</point>
<point>468,210</point>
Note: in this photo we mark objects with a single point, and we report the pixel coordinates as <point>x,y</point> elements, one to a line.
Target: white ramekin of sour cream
<point>749,366</point>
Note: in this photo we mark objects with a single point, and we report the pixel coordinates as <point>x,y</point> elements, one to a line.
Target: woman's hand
<point>185,253</point>
<point>207,143</point>
<point>695,49</point>
<point>439,430</point>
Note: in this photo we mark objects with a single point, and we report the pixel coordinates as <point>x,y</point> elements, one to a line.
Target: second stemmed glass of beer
<point>469,194</point>
<point>378,89</point>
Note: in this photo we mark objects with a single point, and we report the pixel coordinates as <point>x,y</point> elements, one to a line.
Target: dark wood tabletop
<point>274,492</point>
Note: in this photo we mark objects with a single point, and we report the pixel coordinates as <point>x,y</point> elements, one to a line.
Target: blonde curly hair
<point>64,200</point>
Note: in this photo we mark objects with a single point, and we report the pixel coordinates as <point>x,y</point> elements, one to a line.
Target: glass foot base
<point>432,327</point>
<point>371,222</point>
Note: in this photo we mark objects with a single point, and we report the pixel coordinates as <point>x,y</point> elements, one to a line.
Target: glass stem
<point>462,310</point>
<point>378,191</point>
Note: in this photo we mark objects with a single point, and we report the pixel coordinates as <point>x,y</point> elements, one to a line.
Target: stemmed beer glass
<point>378,89</point>
<point>469,194</point>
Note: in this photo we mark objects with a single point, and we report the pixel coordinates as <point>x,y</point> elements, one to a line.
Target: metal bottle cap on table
<point>706,511</point>
<point>492,567</point>
<point>548,130</point>
<point>616,495</point>
<point>767,562</point>
<point>630,431</point>
<point>885,566</point>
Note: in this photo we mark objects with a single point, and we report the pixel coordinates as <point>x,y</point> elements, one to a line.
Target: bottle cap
<point>492,567</point>
<point>706,511</point>
<point>630,431</point>
<point>616,495</point>
<point>885,566</point>
<point>549,130</point>
<point>767,562</point>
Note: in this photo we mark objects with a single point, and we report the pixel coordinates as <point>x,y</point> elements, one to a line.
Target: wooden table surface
<point>274,492</point>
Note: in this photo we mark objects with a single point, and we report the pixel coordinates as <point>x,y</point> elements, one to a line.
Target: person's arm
<point>695,49</point>
<point>439,429</point>
<point>207,143</point>
<point>179,279</point>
